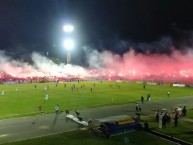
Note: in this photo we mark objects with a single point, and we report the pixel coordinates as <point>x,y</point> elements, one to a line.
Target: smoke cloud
<point>176,66</point>
<point>173,67</point>
<point>42,67</point>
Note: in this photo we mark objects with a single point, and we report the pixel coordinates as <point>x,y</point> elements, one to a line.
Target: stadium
<point>95,72</point>
<point>24,96</point>
<point>34,90</point>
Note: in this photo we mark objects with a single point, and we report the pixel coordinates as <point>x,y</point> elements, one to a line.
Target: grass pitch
<point>24,99</point>
<point>81,137</point>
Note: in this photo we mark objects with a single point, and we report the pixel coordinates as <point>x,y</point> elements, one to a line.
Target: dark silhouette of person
<point>146,126</point>
<point>77,113</point>
<point>176,120</point>
<point>157,117</point>
<point>168,94</point>
<point>137,107</point>
<point>184,111</point>
<point>144,86</point>
<point>40,108</point>
<point>67,112</point>
<point>164,120</point>
<point>142,99</point>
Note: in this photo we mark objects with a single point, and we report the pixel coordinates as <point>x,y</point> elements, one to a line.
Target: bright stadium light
<point>68,28</point>
<point>68,44</point>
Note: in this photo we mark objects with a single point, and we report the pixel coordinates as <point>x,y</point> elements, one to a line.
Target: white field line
<point>38,136</point>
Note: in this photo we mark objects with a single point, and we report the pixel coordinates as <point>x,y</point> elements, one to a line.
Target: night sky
<point>148,26</point>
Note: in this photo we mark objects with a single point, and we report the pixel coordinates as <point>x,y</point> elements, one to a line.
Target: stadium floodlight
<point>68,44</point>
<point>68,28</point>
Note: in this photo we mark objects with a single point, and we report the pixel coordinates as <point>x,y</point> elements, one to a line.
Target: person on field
<point>72,89</point>
<point>142,99</point>
<point>137,107</point>
<point>148,97</point>
<point>46,98</point>
<point>144,86</point>
<point>184,111</point>
<point>160,119</point>
<point>164,120</point>
<point>57,109</point>
<point>67,112</point>
<point>146,126</point>
<point>2,92</point>
<point>157,116</point>
<point>40,108</point>
<point>176,120</point>
<point>168,94</point>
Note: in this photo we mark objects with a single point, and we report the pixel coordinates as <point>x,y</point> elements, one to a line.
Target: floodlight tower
<point>68,57</point>
<point>68,43</point>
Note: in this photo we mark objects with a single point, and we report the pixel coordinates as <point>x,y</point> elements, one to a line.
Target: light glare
<point>68,44</point>
<point>68,28</point>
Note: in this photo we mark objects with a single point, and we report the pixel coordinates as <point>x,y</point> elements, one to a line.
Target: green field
<point>81,137</point>
<point>26,100</point>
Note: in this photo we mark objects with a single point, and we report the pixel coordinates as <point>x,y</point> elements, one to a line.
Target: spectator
<point>137,107</point>
<point>146,126</point>
<point>164,120</point>
<point>157,116</point>
<point>176,120</point>
<point>184,111</point>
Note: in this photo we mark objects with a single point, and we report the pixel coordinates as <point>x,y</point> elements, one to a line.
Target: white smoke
<point>47,66</point>
<point>42,66</point>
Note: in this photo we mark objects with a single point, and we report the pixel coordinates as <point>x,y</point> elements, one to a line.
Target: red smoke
<point>176,67</point>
